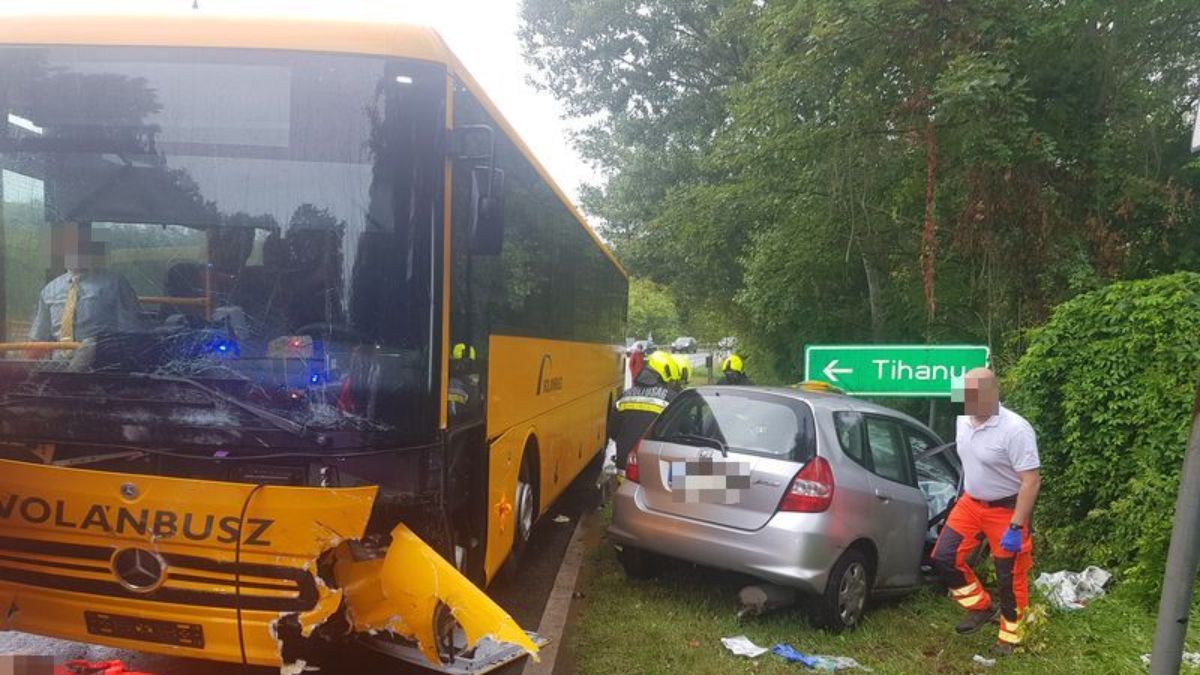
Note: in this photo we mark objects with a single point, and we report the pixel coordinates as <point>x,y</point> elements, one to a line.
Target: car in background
<point>684,345</point>
<point>831,495</point>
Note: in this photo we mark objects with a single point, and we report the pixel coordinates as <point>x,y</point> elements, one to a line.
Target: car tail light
<point>631,464</point>
<point>811,490</point>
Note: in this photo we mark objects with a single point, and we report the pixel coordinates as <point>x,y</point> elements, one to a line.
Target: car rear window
<point>748,422</point>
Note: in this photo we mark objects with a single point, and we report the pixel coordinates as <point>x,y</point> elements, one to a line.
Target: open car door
<point>939,475</point>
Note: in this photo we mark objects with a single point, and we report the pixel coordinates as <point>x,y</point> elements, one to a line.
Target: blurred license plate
<point>146,630</point>
<point>710,481</point>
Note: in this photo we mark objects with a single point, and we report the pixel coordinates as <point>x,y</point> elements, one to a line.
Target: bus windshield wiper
<point>693,439</point>
<point>278,421</point>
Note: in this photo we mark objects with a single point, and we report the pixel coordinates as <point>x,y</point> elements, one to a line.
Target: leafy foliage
<point>652,311</point>
<point>882,170</point>
<point>1108,382</point>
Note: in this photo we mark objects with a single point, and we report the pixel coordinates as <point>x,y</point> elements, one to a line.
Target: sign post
<point>893,370</point>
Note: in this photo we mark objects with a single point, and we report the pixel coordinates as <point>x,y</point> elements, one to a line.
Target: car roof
<point>827,401</point>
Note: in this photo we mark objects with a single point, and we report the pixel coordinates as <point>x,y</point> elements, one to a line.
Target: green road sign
<point>892,370</point>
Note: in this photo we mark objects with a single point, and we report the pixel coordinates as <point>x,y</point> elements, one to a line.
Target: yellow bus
<point>297,339</point>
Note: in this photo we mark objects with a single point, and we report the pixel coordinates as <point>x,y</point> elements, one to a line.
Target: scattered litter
<point>831,663</point>
<point>1073,590</point>
<point>742,646</point>
<point>1189,658</point>
<point>790,655</point>
<point>986,663</point>
<point>827,664</point>
<point>561,519</point>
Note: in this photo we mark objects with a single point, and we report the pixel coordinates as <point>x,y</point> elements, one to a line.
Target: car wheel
<point>639,563</point>
<point>846,593</point>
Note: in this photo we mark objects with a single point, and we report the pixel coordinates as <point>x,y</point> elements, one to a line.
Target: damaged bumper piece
<point>170,565</point>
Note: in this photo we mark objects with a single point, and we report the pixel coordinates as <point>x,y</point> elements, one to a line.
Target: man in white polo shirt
<point>998,449</point>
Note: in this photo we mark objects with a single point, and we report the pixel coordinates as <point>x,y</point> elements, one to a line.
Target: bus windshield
<point>217,247</point>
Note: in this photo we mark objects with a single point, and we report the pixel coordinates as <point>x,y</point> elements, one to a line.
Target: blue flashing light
<point>315,378</point>
<point>223,347</point>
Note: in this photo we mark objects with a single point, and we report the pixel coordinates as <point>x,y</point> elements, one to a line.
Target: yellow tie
<point>67,332</point>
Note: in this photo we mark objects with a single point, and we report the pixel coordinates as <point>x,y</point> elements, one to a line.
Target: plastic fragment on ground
<point>839,663</point>
<point>561,519</point>
<point>1073,590</point>
<point>741,645</point>
<point>1191,659</point>
<point>821,662</point>
<point>789,654</point>
<point>987,663</point>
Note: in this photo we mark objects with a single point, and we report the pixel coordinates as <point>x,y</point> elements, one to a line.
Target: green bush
<point>1108,383</point>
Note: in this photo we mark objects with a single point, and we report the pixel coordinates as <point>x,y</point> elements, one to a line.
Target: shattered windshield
<point>217,246</point>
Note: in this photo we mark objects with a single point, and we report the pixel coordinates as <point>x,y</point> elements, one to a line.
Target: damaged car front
<point>219,383</point>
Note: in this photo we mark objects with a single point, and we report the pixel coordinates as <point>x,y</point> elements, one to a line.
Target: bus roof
<point>181,26</point>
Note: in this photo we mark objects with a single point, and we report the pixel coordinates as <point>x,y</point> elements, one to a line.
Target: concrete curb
<point>558,605</point>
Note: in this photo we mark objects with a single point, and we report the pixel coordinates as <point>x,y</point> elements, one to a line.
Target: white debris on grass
<point>986,663</point>
<point>1073,590</point>
<point>742,646</point>
<point>1191,659</point>
<point>840,663</point>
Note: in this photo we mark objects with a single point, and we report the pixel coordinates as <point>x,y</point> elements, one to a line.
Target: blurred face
<point>981,393</point>
<point>78,249</point>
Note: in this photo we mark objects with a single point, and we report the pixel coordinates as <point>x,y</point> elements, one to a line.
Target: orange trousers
<point>971,522</point>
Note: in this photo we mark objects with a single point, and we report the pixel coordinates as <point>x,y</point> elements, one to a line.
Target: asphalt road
<point>524,598</point>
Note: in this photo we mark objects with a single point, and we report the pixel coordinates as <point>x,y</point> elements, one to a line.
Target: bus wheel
<point>524,514</point>
<point>526,510</point>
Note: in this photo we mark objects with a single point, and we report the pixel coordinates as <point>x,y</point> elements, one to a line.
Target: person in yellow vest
<point>734,371</point>
<point>637,408</point>
<point>464,380</point>
<point>87,300</point>
<point>684,363</point>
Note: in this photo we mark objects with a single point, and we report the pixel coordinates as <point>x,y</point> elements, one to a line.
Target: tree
<point>883,170</point>
<point>652,311</point>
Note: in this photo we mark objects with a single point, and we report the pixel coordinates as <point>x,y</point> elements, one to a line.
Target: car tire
<point>639,563</point>
<point>841,606</point>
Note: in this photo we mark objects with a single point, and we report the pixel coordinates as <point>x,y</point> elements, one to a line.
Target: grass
<point>673,624</point>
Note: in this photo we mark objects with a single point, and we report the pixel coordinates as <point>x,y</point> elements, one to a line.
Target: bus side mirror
<point>487,211</point>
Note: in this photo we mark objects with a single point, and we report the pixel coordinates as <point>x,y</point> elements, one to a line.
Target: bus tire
<point>525,509</point>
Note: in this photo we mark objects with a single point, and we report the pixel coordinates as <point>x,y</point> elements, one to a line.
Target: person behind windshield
<point>87,300</point>
<point>734,371</point>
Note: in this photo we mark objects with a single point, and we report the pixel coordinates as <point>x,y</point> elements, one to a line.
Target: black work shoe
<point>1002,648</point>
<point>976,619</point>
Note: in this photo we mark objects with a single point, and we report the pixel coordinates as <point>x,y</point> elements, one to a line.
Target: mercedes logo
<point>139,570</point>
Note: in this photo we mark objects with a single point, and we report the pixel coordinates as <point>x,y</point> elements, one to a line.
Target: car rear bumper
<point>792,549</point>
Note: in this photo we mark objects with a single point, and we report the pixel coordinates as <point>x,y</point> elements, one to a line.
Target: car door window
<point>936,475</point>
<point>889,453</point>
<point>849,426</point>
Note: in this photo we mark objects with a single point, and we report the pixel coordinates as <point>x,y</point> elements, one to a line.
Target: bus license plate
<point>146,630</point>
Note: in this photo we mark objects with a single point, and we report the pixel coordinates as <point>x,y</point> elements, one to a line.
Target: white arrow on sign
<point>831,371</point>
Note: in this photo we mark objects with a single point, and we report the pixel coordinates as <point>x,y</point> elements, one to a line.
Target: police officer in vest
<point>639,406</point>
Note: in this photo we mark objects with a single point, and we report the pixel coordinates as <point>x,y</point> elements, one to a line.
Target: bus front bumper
<point>170,565</point>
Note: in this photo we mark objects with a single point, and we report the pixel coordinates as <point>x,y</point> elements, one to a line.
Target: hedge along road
<point>524,598</point>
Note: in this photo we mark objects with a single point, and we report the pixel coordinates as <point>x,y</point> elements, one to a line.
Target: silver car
<point>825,493</point>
